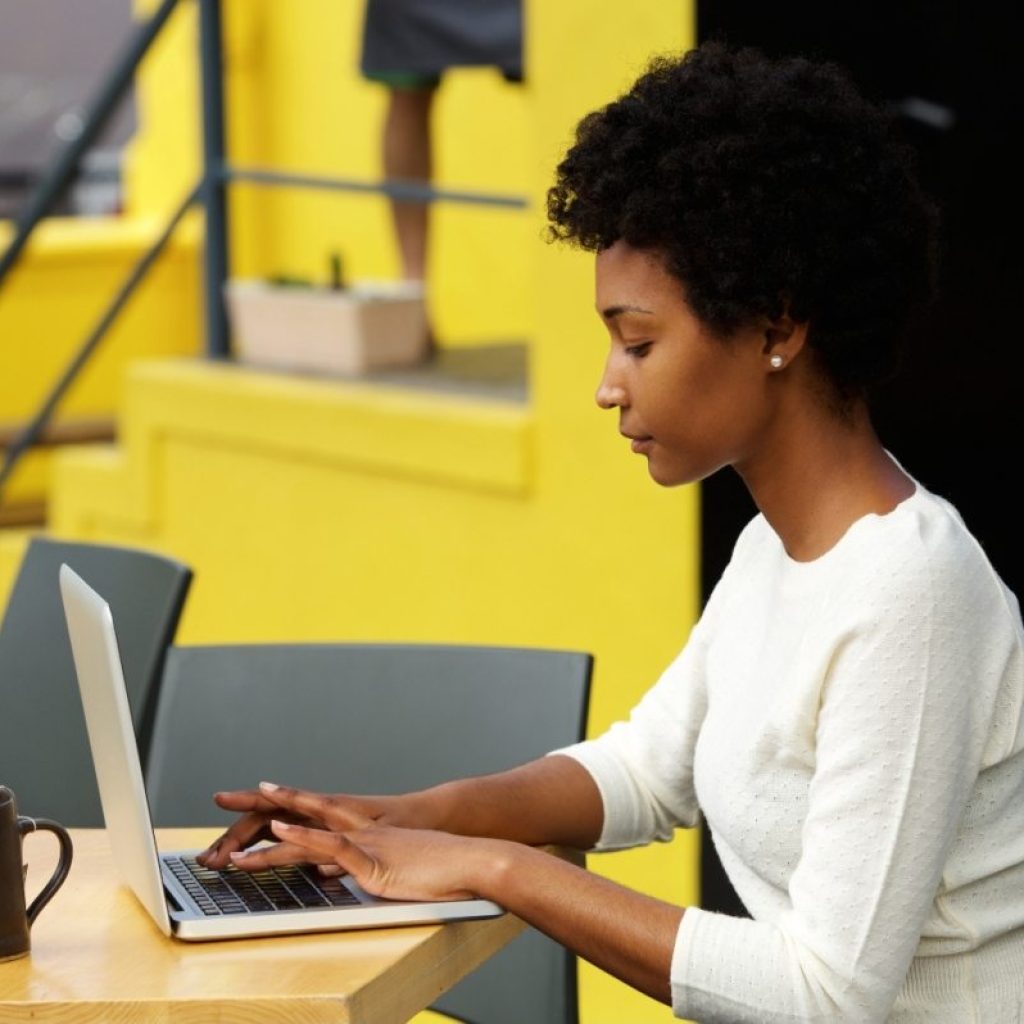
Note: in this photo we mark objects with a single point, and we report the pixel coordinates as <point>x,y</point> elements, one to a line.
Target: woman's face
<point>689,401</point>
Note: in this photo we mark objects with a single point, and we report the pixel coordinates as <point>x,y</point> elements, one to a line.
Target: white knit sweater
<point>850,728</point>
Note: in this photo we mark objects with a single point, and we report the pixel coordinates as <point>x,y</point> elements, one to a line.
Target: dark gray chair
<point>367,718</point>
<point>44,747</point>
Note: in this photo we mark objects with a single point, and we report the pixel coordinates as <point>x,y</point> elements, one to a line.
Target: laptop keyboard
<point>233,891</point>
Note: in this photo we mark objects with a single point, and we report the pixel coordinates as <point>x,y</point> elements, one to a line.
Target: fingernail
<point>280,826</point>
<point>237,855</point>
<point>268,787</point>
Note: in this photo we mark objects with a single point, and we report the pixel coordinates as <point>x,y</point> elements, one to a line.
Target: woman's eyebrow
<point>613,311</point>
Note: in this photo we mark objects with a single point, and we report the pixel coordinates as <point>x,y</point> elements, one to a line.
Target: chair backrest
<point>44,746</point>
<point>366,718</point>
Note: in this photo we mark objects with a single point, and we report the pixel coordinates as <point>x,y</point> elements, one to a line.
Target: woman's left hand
<point>395,863</point>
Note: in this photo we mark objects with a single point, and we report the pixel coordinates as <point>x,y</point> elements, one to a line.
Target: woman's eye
<point>639,350</point>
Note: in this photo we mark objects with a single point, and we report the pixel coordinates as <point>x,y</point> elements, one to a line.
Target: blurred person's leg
<point>407,156</point>
<point>408,46</point>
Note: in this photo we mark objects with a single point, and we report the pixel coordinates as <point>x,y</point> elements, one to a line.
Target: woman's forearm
<point>550,800</point>
<point>626,933</point>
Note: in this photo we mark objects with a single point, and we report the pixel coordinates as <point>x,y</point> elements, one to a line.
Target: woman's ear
<point>784,339</point>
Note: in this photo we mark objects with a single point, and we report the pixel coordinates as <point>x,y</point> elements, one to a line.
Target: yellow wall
<point>312,509</point>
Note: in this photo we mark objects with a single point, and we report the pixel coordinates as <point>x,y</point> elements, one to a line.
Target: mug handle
<point>26,825</point>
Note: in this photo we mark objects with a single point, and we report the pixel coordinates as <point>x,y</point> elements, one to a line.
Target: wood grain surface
<point>97,957</point>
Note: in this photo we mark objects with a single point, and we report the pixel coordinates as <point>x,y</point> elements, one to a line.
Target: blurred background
<point>480,497</point>
<point>49,58</point>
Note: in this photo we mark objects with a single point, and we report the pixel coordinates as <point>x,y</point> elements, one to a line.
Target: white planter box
<point>367,326</point>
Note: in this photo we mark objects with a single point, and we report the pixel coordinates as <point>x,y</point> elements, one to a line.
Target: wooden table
<point>97,957</point>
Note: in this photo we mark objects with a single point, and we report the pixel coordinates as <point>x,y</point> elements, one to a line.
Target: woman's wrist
<point>425,808</point>
<point>490,863</point>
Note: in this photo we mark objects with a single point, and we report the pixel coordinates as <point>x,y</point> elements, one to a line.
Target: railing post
<point>215,263</point>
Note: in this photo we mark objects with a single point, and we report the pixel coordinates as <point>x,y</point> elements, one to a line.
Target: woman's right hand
<point>255,812</point>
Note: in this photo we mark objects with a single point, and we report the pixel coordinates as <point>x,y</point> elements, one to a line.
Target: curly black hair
<point>767,186</point>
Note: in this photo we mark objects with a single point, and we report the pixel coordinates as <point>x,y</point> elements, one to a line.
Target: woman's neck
<point>831,473</point>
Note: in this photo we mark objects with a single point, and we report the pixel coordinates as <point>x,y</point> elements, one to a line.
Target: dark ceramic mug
<point>15,918</point>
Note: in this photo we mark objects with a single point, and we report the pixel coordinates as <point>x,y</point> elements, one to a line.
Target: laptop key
<point>283,900</point>
<point>337,895</point>
<point>257,903</point>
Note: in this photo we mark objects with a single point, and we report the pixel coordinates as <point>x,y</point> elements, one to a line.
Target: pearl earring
<point>776,362</point>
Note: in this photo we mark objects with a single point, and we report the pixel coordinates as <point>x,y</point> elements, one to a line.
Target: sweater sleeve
<point>643,767</point>
<point>901,733</point>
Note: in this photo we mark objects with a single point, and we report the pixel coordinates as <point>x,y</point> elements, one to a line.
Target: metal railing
<point>209,194</point>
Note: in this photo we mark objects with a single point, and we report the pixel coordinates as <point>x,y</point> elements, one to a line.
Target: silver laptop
<point>185,900</point>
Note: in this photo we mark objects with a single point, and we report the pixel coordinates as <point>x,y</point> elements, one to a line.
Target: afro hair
<point>767,186</point>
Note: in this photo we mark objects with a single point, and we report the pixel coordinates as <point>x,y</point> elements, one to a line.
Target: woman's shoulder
<point>924,546</point>
<point>929,531</point>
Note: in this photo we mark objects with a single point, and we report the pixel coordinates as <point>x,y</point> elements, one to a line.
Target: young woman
<point>846,715</point>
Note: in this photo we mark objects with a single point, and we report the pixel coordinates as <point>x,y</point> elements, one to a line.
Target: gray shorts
<point>411,43</point>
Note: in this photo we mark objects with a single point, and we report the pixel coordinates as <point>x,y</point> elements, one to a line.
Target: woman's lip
<point>641,445</point>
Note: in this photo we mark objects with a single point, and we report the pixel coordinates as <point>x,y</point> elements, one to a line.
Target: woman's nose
<point>610,394</point>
